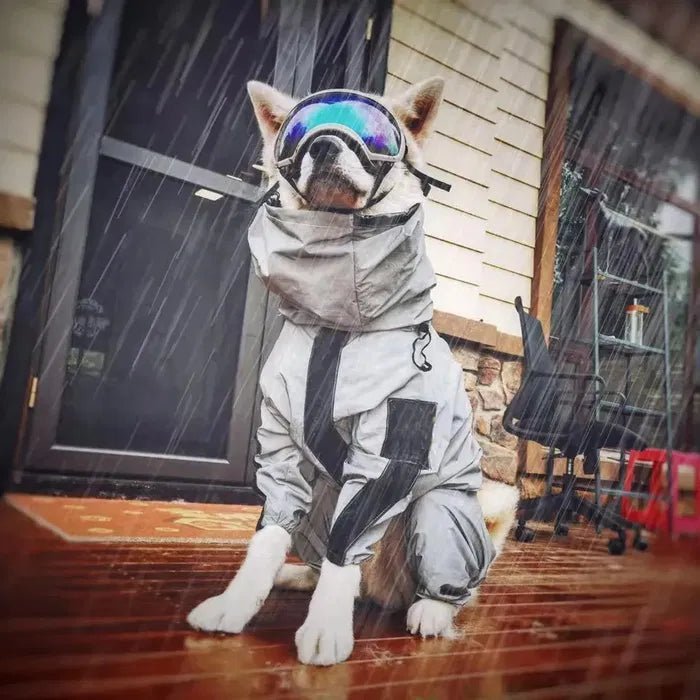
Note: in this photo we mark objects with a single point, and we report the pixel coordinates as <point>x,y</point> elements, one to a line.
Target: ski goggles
<point>363,123</point>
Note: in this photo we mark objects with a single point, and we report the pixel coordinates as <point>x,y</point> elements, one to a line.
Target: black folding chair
<point>559,410</point>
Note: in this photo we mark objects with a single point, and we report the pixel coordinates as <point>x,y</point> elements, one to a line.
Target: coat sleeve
<point>279,477</point>
<point>389,448</point>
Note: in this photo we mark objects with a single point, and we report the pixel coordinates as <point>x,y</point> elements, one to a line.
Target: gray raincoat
<point>364,411</point>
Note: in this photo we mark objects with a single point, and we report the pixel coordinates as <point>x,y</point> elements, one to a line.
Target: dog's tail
<point>499,503</point>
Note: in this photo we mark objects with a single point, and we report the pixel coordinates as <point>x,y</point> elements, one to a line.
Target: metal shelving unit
<point>594,280</point>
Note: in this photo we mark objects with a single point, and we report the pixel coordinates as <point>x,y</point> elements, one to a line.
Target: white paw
<point>232,610</point>
<point>219,614</point>
<point>326,637</point>
<point>431,618</point>
<point>325,642</point>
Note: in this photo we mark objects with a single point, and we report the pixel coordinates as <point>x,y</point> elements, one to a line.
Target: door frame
<point>36,454</point>
<point>299,27</point>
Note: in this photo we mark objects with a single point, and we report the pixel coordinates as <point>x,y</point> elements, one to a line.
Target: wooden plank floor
<point>556,619</point>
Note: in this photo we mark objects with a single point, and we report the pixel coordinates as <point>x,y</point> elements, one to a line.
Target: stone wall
<point>491,380</point>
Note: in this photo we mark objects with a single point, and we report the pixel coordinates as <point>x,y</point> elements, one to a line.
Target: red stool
<point>654,513</point>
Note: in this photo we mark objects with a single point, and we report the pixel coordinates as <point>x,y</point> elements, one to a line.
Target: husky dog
<point>367,460</point>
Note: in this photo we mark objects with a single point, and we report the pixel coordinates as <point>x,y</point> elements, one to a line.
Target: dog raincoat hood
<point>346,271</point>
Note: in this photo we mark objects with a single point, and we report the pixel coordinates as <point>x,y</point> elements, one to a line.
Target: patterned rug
<point>114,520</point>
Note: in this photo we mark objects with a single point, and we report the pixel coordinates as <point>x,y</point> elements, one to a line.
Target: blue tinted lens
<point>364,118</point>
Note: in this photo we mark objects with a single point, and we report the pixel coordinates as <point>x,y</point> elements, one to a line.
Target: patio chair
<point>558,410</point>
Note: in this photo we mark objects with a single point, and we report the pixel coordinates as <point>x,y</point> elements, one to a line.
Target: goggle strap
<point>267,195</point>
<point>383,171</point>
<point>426,180</point>
<point>426,183</point>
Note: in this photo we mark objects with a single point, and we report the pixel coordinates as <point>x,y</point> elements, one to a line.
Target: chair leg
<point>562,517</point>
<point>639,543</point>
<point>550,506</point>
<point>598,486</point>
<point>601,518</point>
<point>604,517</point>
<point>550,471</point>
<point>613,512</point>
<point>561,506</point>
<point>608,515</point>
<point>542,509</point>
<point>617,546</point>
<point>524,533</point>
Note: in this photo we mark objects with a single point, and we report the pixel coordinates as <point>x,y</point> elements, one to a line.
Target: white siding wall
<point>495,57</point>
<point>30,32</point>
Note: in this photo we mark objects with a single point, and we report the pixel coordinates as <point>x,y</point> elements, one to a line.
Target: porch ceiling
<point>675,23</point>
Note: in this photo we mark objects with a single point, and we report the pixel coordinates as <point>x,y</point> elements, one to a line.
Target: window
<point>180,89</point>
<point>631,180</point>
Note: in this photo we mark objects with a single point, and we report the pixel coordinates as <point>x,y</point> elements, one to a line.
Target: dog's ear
<point>271,107</point>
<point>418,106</point>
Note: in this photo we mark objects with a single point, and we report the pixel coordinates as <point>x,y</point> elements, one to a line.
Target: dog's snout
<point>325,148</point>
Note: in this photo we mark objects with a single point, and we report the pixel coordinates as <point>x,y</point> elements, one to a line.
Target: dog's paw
<point>324,642</point>
<point>229,612</point>
<point>232,610</point>
<point>431,618</point>
<point>218,614</point>
<point>223,613</point>
<point>326,637</point>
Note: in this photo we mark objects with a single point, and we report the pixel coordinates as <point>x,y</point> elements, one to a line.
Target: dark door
<point>147,308</point>
<point>154,343</point>
<point>156,327</point>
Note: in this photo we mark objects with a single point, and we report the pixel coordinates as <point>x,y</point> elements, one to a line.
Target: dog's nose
<point>325,148</point>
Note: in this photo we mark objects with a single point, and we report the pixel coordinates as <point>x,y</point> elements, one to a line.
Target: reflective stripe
<point>320,434</point>
<point>409,434</point>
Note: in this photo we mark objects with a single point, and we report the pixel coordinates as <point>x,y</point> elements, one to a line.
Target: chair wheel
<point>524,534</point>
<point>640,544</point>
<point>561,530</point>
<point>616,547</point>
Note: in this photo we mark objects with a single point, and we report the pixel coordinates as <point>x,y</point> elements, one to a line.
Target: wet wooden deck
<point>557,619</point>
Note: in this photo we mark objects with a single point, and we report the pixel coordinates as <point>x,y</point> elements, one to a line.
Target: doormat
<point>114,520</point>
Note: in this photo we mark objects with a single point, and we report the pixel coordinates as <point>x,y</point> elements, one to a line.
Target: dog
<point>331,176</point>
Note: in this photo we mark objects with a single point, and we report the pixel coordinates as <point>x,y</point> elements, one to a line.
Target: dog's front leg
<point>232,610</point>
<point>326,637</point>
